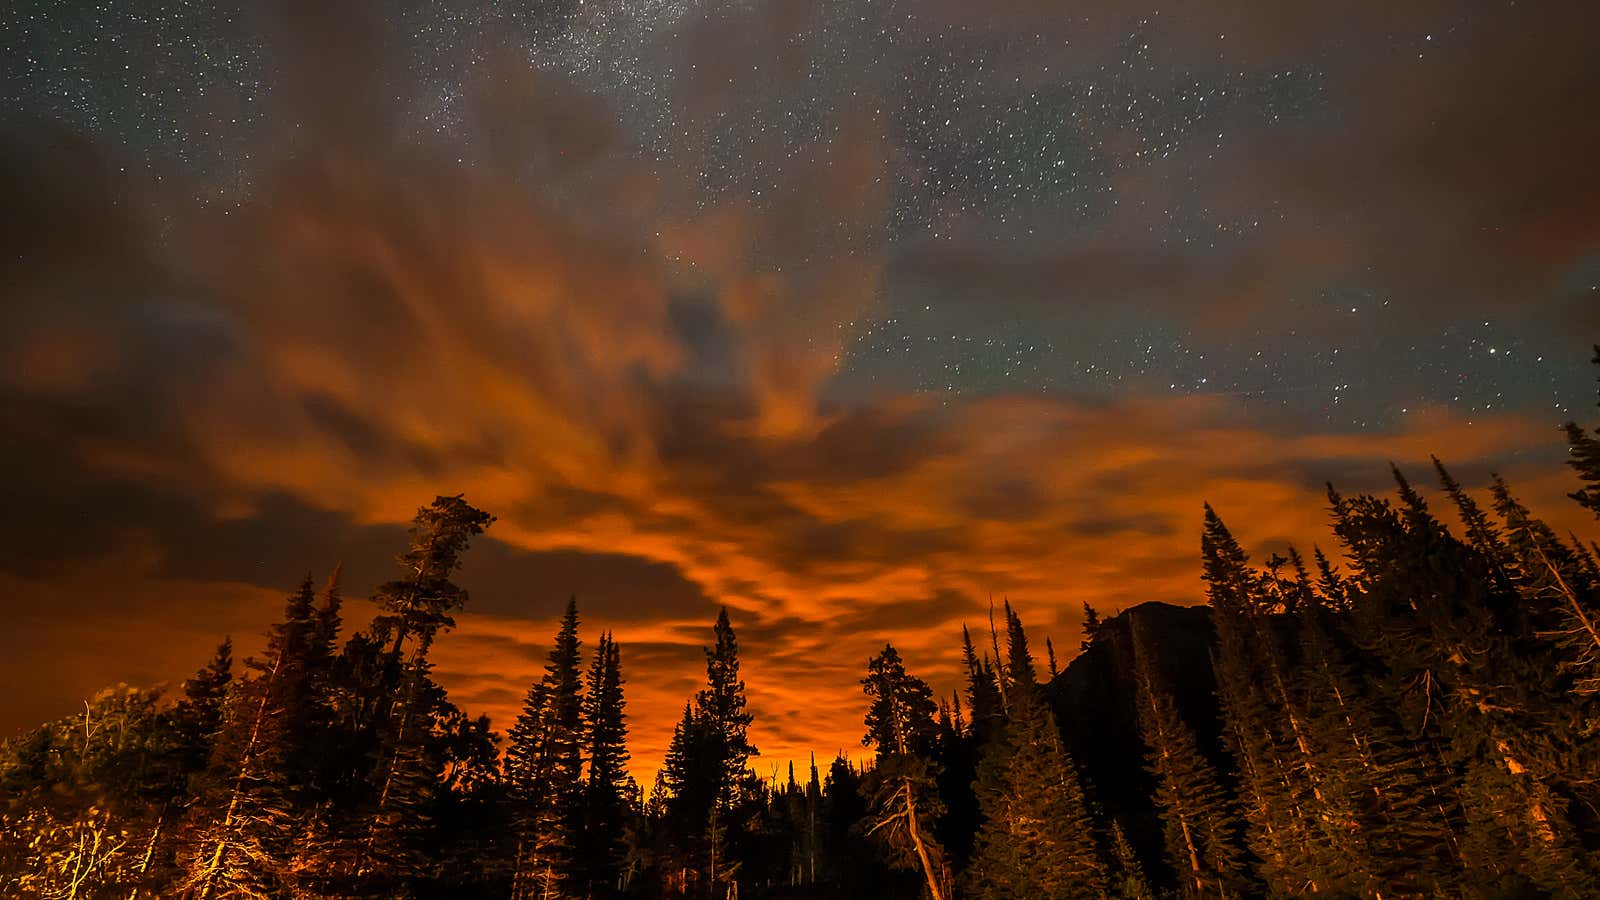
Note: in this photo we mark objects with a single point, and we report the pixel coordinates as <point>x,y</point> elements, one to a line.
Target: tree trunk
<point>934,890</point>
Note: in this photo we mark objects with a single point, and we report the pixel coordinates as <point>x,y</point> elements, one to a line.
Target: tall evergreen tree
<point>198,716</point>
<point>1553,580</point>
<point>1019,660</point>
<point>1201,830</point>
<point>606,789</point>
<point>902,790</point>
<point>1387,787</point>
<point>1091,626</point>
<point>983,694</point>
<point>544,771</point>
<point>1280,773</point>
<point>329,621</point>
<point>248,803</point>
<point>706,785</point>
<point>414,607</point>
<point>1129,881</point>
<point>1586,460</point>
<point>1038,837</point>
<point>721,704</point>
<point>1462,663</point>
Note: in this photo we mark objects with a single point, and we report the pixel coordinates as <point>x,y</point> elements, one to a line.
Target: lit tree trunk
<point>934,889</point>
<point>213,866</point>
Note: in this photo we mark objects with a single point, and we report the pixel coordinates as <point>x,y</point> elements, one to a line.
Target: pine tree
<point>544,772</point>
<point>1331,586</point>
<point>1554,583</point>
<point>983,695</point>
<point>1385,782</point>
<point>1091,626</point>
<point>248,799</point>
<point>606,786</point>
<point>1201,829</point>
<point>1038,837</point>
<point>325,644</point>
<point>414,607</point>
<point>199,715</point>
<point>812,841</point>
<point>1468,677</point>
<point>705,783</point>
<point>843,813</point>
<point>1129,881</point>
<point>1280,772</point>
<point>721,707</point>
<point>902,789</point>
<point>1019,660</point>
<point>1586,460</point>
<point>418,604</point>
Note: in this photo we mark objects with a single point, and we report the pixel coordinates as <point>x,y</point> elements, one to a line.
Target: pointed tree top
<point>332,590</point>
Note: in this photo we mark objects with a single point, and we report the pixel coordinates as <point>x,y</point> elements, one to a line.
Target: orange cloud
<point>374,326</point>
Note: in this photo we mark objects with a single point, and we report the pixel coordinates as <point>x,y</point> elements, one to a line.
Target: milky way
<point>1015,139</point>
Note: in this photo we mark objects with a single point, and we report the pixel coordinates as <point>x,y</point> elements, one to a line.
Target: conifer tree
<point>1128,881</point>
<point>812,842</point>
<point>1331,586</point>
<point>705,778</point>
<point>248,802</point>
<point>1201,830</point>
<point>544,771</point>
<point>1038,837</point>
<point>414,608</point>
<point>1463,662</point>
<point>983,695</point>
<point>843,812</point>
<point>1554,582</point>
<point>198,716</point>
<point>1091,626</point>
<point>1586,460</point>
<point>1388,785</point>
<point>902,790</point>
<point>606,786</point>
<point>1019,660</point>
<point>721,706</point>
<point>1280,772</point>
<point>329,621</point>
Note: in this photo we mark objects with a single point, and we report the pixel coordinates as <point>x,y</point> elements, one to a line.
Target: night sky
<point>846,314</point>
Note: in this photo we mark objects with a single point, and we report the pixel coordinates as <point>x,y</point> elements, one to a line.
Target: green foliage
<point>1201,828</point>
<point>244,811</point>
<point>1586,460</point>
<point>1038,837</point>
<point>902,789</point>
<point>418,603</point>
<point>707,797</point>
<point>544,772</point>
<point>1128,879</point>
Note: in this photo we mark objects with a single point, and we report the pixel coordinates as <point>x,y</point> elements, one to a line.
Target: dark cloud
<point>614,587</point>
<point>649,384</point>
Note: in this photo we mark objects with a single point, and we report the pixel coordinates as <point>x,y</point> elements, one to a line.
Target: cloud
<point>214,399</point>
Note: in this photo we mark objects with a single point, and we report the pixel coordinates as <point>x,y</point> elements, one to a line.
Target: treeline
<point>1420,719</point>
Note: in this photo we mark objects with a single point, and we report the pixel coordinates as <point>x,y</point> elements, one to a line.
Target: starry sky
<point>847,314</point>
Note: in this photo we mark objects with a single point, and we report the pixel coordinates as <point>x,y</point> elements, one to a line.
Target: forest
<point>1414,712</point>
